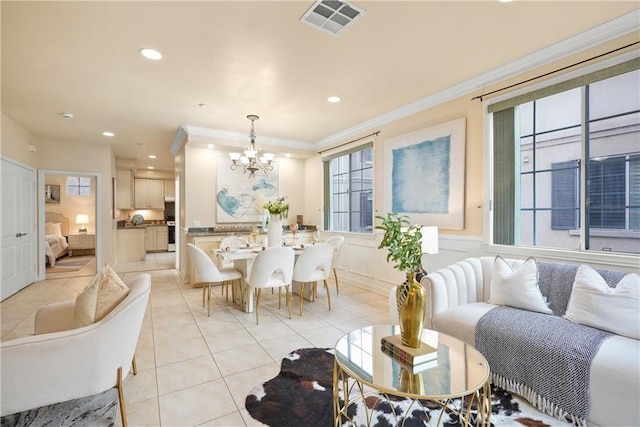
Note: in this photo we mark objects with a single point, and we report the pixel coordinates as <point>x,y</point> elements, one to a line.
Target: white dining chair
<point>230,243</point>
<point>209,274</point>
<point>313,265</point>
<point>336,242</point>
<point>272,268</point>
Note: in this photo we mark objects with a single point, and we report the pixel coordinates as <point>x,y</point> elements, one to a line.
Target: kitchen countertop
<point>135,226</point>
<point>224,231</point>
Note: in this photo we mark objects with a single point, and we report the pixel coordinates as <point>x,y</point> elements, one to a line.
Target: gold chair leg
<point>257,294</point>
<point>326,288</point>
<point>288,297</point>
<point>209,300</point>
<point>204,290</point>
<point>123,412</point>
<point>134,366</point>
<point>301,296</point>
<point>335,275</point>
<point>279,298</point>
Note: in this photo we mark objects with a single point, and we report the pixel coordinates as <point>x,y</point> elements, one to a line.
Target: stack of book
<point>412,359</point>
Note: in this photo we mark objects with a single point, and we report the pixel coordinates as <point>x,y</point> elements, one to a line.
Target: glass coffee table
<point>458,381</point>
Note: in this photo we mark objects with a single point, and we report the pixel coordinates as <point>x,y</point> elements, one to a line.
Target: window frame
<point>348,149</point>
<point>78,186</point>
<point>490,246</point>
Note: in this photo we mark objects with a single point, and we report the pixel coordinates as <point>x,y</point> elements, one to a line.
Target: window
<point>78,186</point>
<point>567,164</point>
<point>349,190</point>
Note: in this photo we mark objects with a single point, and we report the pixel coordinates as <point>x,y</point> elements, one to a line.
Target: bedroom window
<point>348,189</point>
<point>78,186</point>
<point>566,164</point>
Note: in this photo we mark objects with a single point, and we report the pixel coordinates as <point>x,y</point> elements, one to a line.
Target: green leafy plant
<point>278,207</point>
<point>402,241</point>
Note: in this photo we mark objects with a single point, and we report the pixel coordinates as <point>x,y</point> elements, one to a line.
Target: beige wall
<point>200,186</point>
<point>15,141</point>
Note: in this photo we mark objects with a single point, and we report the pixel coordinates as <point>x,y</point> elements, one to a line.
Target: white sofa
<point>457,298</point>
<point>59,363</point>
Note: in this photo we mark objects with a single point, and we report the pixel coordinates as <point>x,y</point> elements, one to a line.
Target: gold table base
<point>344,385</point>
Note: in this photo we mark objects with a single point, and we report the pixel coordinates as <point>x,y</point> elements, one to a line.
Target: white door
<point>18,228</point>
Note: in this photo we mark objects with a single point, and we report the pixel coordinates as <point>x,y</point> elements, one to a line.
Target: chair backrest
<point>316,257</point>
<point>272,260</point>
<point>234,242</point>
<point>207,270</point>
<point>336,242</point>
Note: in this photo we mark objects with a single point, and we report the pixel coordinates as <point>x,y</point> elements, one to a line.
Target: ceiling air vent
<point>331,16</point>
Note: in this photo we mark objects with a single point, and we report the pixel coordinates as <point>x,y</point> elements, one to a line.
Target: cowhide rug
<point>301,395</point>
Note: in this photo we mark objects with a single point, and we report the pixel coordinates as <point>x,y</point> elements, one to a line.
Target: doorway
<point>69,223</point>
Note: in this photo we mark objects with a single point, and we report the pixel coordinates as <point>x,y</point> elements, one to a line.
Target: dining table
<point>242,259</point>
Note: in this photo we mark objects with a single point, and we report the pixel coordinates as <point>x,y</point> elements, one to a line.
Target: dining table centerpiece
<point>403,242</point>
<point>278,210</point>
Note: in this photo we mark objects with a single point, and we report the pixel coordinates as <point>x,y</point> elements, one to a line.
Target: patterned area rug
<point>96,411</point>
<point>69,264</point>
<point>301,395</point>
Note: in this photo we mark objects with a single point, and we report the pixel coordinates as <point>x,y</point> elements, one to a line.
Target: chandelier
<point>252,160</point>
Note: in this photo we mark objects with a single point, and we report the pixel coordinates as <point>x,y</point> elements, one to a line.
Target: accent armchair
<point>58,364</point>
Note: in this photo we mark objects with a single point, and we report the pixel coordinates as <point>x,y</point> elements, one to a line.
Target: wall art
<point>239,196</point>
<point>424,175</point>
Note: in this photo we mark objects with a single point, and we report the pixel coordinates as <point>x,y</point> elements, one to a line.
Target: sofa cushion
<point>460,321</point>
<point>595,304</point>
<point>105,291</point>
<point>517,288</point>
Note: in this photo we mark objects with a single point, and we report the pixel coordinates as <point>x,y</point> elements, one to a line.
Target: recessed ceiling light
<point>153,156</point>
<point>109,134</point>
<point>67,116</point>
<point>151,54</point>
<point>202,105</point>
<point>333,99</point>
<point>287,155</point>
<point>210,146</point>
<point>150,167</point>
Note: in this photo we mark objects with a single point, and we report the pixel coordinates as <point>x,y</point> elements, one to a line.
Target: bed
<point>56,230</point>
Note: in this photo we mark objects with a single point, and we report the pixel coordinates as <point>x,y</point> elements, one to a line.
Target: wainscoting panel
<point>363,264</point>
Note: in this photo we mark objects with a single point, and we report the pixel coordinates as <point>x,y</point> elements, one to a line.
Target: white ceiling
<point>255,57</point>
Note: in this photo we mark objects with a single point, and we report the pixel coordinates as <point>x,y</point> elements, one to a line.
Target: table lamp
<point>82,220</point>
<point>429,239</point>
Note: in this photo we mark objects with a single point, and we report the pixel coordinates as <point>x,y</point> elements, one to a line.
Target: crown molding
<point>243,137</point>
<point>603,33</point>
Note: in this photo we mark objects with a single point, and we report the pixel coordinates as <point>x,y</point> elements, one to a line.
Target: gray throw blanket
<point>544,358</point>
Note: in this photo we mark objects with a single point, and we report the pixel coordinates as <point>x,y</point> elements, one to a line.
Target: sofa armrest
<point>55,318</point>
<point>456,284</point>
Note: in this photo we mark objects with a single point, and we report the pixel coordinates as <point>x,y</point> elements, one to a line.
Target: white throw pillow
<point>517,288</point>
<point>594,303</point>
<point>102,295</point>
<point>53,229</point>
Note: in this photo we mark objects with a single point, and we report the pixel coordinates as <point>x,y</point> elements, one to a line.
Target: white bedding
<point>54,247</point>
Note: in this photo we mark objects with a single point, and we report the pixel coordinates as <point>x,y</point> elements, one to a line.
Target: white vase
<point>274,233</point>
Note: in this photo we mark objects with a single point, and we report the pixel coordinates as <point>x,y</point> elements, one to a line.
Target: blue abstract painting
<point>420,181</point>
<point>240,196</point>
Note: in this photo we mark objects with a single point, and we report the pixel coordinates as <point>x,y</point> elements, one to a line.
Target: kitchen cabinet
<point>124,189</point>
<point>149,193</point>
<point>131,244</point>
<point>170,190</point>
<point>157,238</point>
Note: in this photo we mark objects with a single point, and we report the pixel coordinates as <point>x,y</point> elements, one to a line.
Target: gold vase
<point>408,382</point>
<point>410,297</point>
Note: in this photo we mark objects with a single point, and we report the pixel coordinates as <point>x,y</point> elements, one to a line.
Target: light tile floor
<point>195,370</point>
